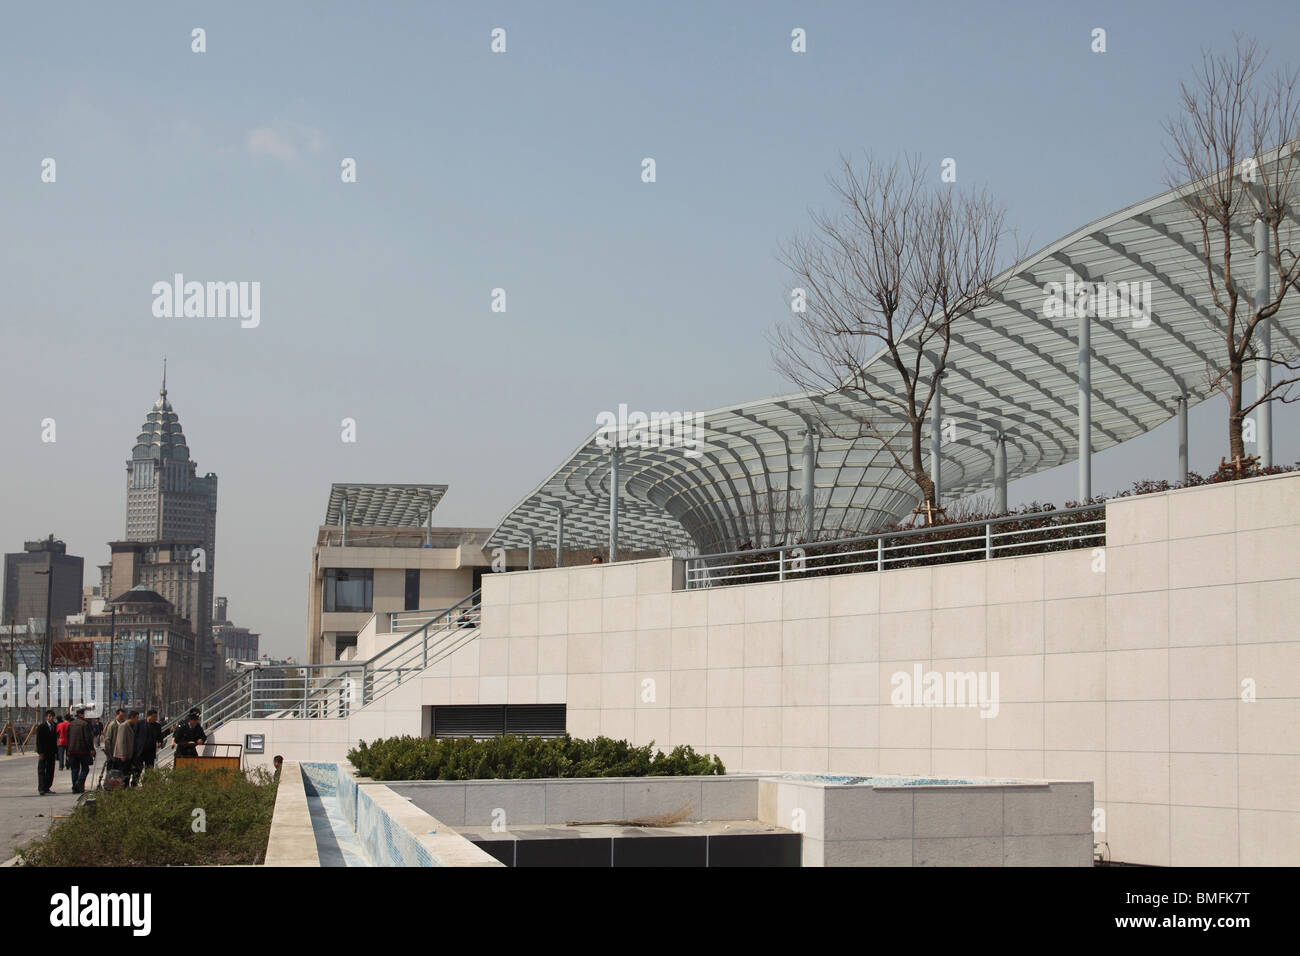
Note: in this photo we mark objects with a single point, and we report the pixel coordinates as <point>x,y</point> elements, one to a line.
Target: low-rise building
<point>378,553</point>
<point>149,648</point>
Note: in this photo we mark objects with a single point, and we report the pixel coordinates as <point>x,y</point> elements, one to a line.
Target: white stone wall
<point>1130,678</point>
<point>985,823</point>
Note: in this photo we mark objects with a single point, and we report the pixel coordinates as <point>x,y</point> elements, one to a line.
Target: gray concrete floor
<point>25,816</point>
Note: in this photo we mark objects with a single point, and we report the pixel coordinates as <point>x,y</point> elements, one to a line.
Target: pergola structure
<point>381,506</point>
<point>1026,388</point>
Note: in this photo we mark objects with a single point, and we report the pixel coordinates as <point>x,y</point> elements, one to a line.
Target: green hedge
<point>524,758</point>
<point>154,824</point>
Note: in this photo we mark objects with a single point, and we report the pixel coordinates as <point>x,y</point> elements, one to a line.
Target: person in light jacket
<point>124,743</point>
<point>110,735</point>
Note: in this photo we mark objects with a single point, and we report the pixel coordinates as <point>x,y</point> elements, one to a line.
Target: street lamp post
<point>49,611</point>
<point>148,680</point>
<point>112,641</point>
<point>10,731</point>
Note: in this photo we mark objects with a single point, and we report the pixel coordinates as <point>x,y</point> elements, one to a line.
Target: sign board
<point>254,743</point>
<point>74,653</point>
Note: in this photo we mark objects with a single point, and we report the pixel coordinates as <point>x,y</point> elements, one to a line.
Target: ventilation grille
<point>492,720</point>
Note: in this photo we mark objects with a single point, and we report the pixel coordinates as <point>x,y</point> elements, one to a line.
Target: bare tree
<point>887,275</point>
<point>1234,147</point>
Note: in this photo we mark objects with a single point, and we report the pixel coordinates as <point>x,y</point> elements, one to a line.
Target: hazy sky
<point>476,171</point>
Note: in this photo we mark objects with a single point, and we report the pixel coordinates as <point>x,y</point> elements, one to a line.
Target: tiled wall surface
<point>985,824</point>
<point>1042,824</point>
<point>1130,676</point>
<point>510,803</point>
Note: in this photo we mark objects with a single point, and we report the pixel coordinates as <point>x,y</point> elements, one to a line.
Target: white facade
<point>1135,677</point>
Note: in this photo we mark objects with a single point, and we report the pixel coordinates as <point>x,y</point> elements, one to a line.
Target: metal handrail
<point>395,618</point>
<point>917,532</point>
<point>879,550</point>
<point>463,604</point>
<point>396,538</point>
<point>293,690</point>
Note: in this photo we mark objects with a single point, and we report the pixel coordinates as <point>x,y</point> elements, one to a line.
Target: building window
<point>349,589</point>
<point>412,589</point>
<point>342,642</point>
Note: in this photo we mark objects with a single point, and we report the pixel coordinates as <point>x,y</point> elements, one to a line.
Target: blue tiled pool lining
<point>336,840</point>
<point>381,840</point>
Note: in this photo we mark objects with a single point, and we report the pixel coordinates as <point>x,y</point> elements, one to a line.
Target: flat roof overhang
<point>382,505</point>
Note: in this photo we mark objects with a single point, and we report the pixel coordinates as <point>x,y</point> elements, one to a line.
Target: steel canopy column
<point>613,503</point>
<point>1264,338</point>
<point>809,482</point>
<point>559,536</point>
<point>936,439</point>
<point>345,521</point>
<point>1182,436</point>
<point>1085,405</point>
<point>1000,473</point>
<point>532,551</point>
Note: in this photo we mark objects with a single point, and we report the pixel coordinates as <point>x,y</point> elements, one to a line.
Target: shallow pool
<point>336,842</point>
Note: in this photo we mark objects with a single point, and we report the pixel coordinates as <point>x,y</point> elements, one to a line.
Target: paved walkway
<point>24,816</point>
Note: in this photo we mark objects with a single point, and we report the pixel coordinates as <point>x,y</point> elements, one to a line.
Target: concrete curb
<point>293,839</point>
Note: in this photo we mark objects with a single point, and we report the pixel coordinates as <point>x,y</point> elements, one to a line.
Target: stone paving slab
<point>24,816</point>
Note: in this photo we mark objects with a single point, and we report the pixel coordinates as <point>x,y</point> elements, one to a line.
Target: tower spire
<point>163,392</point>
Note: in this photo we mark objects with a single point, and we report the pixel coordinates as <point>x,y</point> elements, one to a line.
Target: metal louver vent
<point>493,720</point>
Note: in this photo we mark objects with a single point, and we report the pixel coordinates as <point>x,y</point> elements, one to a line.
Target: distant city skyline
<point>476,172</point>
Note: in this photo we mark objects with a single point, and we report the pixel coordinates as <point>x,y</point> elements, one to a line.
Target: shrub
<point>152,824</point>
<point>1223,473</point>
<point>523,758</point>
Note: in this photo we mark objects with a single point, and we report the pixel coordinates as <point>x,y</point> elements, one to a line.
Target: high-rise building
<point>27,588</point>
<point>171,529</point>
<point>233,643</point>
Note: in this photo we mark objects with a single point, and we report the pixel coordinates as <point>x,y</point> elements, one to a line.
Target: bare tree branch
<point>884,278</point>
<point>1231,118</point>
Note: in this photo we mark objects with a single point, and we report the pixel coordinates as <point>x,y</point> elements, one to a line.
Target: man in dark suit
<point>189,738</point>
<point>147,736</point>
<point>150,739</point>
<point>47,749</point>
<point>81,750</point>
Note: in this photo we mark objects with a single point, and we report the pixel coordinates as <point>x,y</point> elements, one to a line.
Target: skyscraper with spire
<point>171,527</point>
<point>165,497</point>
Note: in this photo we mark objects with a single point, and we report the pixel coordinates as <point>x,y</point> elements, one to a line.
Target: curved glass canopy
<point>1013,368</point>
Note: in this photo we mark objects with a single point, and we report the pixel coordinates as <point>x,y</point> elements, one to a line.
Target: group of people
<point>130,745</point>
